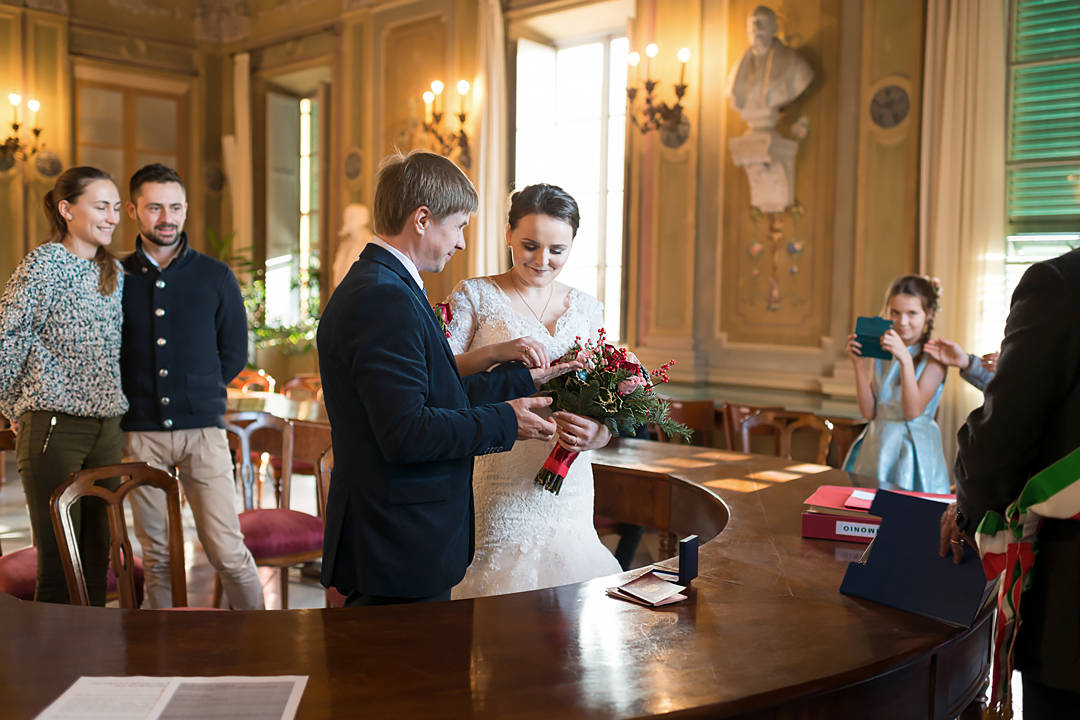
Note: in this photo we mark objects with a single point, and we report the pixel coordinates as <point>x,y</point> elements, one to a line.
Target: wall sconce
<point>14,148</point>
<point>445,141</point>
<point>672,123</point>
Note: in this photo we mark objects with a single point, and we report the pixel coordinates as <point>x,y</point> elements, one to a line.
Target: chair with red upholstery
<point>18,570</point>
<point>122,563</point>
<point>277,537</point>
<point>305,386</point>
<point>253,380</point>
<point>323,468</point>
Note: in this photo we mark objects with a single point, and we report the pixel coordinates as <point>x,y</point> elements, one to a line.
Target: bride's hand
<point>526,349</point>
<point>578,433</point>
<point>543,374</point>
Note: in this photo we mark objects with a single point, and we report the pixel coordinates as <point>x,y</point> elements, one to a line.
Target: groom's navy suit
<point>405,425</point>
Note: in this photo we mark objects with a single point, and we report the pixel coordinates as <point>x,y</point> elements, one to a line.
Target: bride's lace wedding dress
<point>527,537</point>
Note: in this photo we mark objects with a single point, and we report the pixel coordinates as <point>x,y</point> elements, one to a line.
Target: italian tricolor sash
<point>1009,545</point>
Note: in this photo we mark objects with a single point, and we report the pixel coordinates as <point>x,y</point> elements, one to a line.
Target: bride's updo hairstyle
<point>544,199</point>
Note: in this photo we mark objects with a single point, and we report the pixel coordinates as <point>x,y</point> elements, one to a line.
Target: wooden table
<point>764,634</point>
<point>276,404</point>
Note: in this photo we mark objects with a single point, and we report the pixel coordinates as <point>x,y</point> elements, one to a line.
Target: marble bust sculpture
<point>769,76</point>
<point>353,236</point>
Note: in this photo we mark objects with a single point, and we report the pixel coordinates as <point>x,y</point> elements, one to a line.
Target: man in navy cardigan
<point>405,424</point>
<point>184,340</point>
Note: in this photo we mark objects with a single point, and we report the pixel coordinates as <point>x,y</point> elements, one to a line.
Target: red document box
<point>839,527</point>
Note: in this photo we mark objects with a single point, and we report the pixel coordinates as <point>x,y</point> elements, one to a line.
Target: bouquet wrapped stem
<point>555,468</point>
<point>612,388</point>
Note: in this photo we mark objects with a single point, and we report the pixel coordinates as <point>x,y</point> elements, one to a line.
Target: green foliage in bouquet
<point>614,389</point>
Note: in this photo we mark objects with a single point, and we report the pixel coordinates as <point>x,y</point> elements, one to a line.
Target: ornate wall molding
<point>222,21</point>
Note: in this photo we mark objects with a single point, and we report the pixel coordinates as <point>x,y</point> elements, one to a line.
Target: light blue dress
<point>902,453</point>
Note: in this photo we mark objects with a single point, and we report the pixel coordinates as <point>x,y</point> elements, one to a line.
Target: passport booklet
<point>868,332</point>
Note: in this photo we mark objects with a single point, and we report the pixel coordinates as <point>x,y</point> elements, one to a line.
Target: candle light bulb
<point>429,98</point>
<point>684,55</point>
<point>437,87</point>
<point>15,99</point>
<point>634,59</point>
<point>651,50</point>
<point>462,87</point>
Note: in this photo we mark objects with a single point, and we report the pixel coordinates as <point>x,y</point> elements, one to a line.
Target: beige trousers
<point>206,473</point>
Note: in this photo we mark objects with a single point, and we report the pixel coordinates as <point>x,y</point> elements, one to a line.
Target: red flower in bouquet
<point>613,388</point>
<point>444,315</point>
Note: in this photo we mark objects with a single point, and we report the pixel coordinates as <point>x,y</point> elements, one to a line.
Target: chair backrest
<point>303,387</point>
<point>762,422</point>
<point>699,415</point>
<point>310,441</point>
<point>811,423</point>
<point>734,414</point>
<point>782,426</point>
<point>259,432</point>
<point>83,484</point>
<point>7,440</point>
<point>323,468</point>
<point>249,379</point>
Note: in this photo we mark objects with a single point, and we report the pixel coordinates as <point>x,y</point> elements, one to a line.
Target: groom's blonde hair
<point>420,178</point>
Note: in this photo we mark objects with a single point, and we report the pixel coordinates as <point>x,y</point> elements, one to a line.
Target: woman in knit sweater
<point>60,321</point>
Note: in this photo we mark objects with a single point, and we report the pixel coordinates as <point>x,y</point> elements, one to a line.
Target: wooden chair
<point>699,415</point>
<point>82,484</point>
<point>307,386</point>
<point>277,537</point>
<point>18,570</point>
<point>257,380</point>
<point>782,426</point>
<point>323,468</point>
<point>734,414</point>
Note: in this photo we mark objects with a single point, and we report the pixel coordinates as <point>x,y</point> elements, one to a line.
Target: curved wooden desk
<point>764,634</point>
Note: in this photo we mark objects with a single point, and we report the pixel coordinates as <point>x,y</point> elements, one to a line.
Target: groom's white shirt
<point>402,258</point>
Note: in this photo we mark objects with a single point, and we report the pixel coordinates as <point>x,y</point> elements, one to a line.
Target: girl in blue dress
<point>901,446</point>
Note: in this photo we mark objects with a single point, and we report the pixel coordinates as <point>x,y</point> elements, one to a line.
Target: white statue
<point>769,76</point>
<point>355,233</point>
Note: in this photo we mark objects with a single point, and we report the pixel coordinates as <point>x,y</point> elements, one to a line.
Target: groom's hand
<point>542,374</point>
<point>530,425</point>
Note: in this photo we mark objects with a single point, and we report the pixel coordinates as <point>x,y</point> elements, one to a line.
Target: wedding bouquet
<point>613,388</point>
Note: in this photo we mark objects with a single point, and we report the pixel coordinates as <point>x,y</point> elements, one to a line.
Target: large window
<point>571,120</point>
<point>120,128</point>
<point>292,295</point>
<point>1043,164</point>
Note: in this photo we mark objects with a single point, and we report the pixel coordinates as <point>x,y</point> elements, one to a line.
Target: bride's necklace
<point>540,317</point>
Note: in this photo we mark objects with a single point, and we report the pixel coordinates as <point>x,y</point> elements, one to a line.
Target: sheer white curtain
<point>489,96</point>
<point>962,186</point>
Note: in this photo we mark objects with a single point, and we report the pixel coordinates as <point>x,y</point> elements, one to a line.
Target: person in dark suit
<point>1029,420</point>
<point>405,424</point>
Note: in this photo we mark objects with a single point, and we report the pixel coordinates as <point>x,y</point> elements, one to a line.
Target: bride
<point>526,537</point>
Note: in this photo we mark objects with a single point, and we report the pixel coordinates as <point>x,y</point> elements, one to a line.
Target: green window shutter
<point>1043,162</point>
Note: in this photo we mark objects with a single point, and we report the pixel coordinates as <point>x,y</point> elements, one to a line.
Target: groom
<point>405,424</point>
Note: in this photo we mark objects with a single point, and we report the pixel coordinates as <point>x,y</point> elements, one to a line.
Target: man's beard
<point>160,242</point>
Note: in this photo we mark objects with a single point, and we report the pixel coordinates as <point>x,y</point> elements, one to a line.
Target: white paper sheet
<point>179,698</point>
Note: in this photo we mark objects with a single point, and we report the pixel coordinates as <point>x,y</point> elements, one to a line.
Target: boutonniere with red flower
<point>444,315</point>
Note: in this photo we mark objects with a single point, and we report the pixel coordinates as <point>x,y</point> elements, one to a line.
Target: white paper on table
<point>274,697</point>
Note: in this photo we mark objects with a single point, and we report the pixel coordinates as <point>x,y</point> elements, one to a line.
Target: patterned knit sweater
<point>60,338</point>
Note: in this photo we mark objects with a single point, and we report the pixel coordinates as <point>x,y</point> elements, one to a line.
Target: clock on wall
<point>889,106</point>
